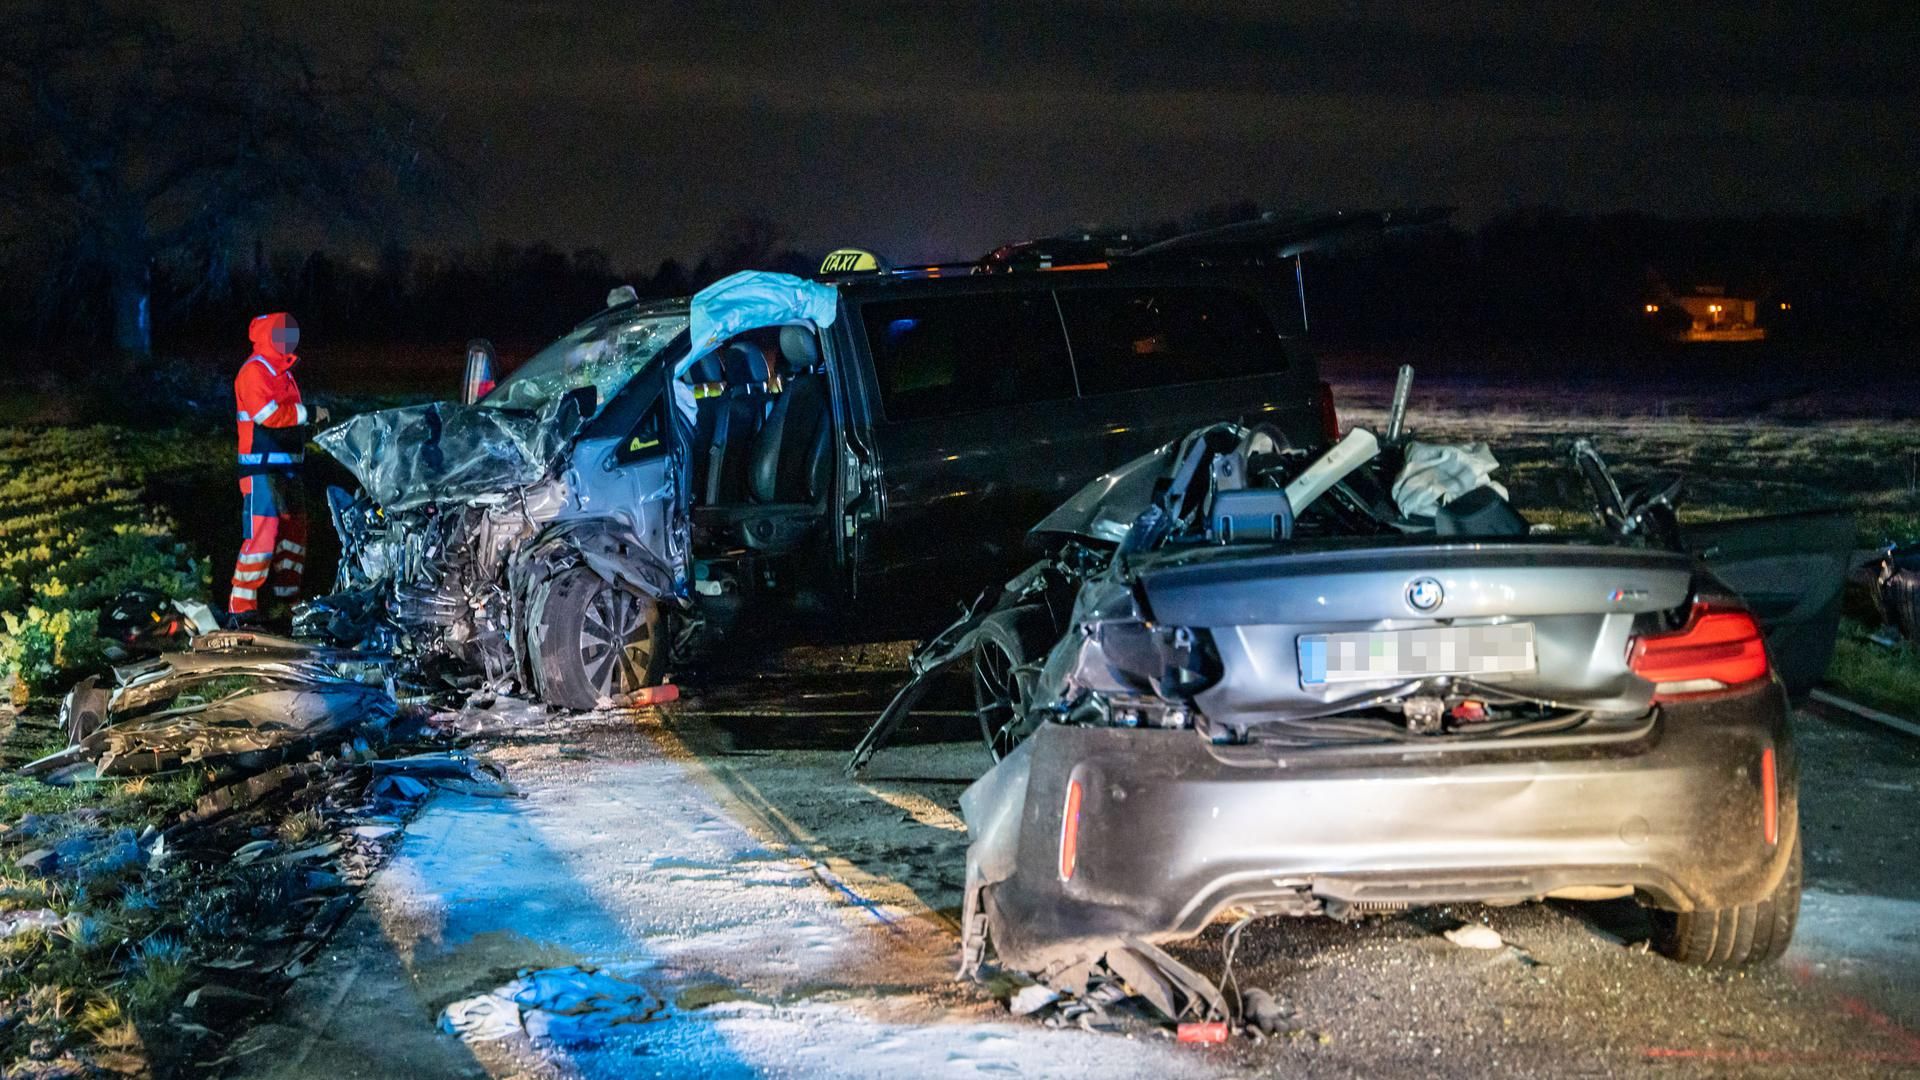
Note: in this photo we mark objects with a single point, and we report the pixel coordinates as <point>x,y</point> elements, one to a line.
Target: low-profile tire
<point>1735,936</point>
<point>596,643</point>
<point>999,698</point>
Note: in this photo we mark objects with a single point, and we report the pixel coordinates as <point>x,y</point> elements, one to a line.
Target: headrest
<point>706,370</point>
<point>799,349</point>
<point>744,364</point>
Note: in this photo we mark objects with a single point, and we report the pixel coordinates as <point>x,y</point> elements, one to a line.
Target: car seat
<point>706,373</point>
<point>742,405</point>
<point>790,475</point>
<point>791,458</point>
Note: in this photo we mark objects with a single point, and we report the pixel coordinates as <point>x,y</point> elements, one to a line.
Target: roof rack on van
<point>1269,237</point>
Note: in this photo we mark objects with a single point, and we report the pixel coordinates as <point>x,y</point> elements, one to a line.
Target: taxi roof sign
<point>852,261</point>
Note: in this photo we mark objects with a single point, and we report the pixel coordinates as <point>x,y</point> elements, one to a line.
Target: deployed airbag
<point>749,300</point>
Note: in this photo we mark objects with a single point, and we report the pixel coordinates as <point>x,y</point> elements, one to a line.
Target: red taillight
<point>1070,831</point>
<point>1769,798</point>
<point>1329,416</point>
<point>1717,649</point>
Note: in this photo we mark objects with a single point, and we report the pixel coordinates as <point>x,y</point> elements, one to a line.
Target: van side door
<point>1158,358</point>
<point>975,427</point>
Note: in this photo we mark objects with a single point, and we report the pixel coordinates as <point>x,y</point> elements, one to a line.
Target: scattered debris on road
<point>1474,936</point>
<point>235,701</point>
<point>567,1007</point>
<point>302,767</point>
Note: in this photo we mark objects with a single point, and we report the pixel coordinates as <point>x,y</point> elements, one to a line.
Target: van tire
<point>1735,936</point>
<point>595,643</point>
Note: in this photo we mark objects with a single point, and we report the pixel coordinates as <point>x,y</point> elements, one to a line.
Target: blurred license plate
<point>1373,655</point>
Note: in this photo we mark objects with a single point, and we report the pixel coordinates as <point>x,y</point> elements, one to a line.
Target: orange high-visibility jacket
<point>273,422</point>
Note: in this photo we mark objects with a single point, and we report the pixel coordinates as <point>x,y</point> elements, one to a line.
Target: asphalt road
<point>802,923</point>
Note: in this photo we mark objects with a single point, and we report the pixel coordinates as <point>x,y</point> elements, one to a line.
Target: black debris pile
<point>297,770</point>
<point>142,622</point>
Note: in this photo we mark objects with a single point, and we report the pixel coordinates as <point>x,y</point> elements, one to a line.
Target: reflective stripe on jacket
<point>272,421</point>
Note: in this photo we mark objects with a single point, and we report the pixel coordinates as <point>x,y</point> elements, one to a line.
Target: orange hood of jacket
<point>270,337</point>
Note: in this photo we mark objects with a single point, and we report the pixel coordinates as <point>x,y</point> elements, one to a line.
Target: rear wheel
<point>998,699</point>
<point>597,643</point>
<point>1735,936</point>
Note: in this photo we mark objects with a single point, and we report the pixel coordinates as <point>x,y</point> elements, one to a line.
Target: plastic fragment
<point>1031,999</point>
<point>1475,936</point>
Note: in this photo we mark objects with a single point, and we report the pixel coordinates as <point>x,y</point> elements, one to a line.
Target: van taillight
<point>1719,648</point>
<point>1329,416</point>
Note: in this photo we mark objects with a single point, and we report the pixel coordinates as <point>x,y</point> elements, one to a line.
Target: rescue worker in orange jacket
<point>273,438</point>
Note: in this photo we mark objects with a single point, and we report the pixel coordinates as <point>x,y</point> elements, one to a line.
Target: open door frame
<point>1791,570</point>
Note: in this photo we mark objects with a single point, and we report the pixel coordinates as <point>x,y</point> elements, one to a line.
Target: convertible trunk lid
<point>1273,617</point>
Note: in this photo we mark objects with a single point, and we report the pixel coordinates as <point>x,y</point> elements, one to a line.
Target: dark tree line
<point>131,152</point>
<point>151,180</point>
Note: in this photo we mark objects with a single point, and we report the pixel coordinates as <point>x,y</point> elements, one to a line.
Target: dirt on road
<point>792,922</point>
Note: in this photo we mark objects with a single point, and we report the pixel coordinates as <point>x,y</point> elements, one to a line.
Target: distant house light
<point>1651,308</point>
<point>1784,306</point>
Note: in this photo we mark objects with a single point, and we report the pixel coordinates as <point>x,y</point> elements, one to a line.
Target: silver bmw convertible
<point>1253,679</point>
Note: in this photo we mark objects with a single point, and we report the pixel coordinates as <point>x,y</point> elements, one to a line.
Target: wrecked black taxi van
<point>1258,679</point>
<point>873,439</point>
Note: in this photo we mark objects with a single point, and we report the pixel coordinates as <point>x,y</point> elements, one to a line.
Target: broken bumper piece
<point>235,701</point>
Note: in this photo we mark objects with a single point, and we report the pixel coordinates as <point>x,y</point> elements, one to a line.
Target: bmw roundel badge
<point>1425,594</point>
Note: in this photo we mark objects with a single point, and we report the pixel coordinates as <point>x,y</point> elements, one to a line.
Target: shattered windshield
<point>603,352</point>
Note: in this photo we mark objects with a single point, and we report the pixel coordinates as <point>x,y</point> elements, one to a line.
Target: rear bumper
<point>1173,830</point>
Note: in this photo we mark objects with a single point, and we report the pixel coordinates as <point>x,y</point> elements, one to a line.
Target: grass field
<point>1733,468</point>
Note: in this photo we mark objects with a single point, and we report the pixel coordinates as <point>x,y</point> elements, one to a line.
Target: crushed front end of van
<point>538,540</point>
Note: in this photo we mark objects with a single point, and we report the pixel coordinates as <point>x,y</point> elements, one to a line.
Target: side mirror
<point>479,380</point>
<point>575,406</point>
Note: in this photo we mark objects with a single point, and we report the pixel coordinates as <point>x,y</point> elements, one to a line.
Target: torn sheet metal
<point>752,299</point>
<point>238,701</point>
<point>245,730</point>
<point>445,451</point>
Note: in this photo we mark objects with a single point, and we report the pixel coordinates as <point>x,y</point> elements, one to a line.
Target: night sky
<point>929,130</point>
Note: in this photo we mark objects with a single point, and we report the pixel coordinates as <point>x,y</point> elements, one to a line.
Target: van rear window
<point>1136,338</point>
<point>937,356</point>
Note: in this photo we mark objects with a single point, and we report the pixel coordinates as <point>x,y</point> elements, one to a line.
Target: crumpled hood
<point>443,452</point>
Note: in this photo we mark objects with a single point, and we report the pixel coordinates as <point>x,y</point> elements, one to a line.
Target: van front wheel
<point>596,643</point>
